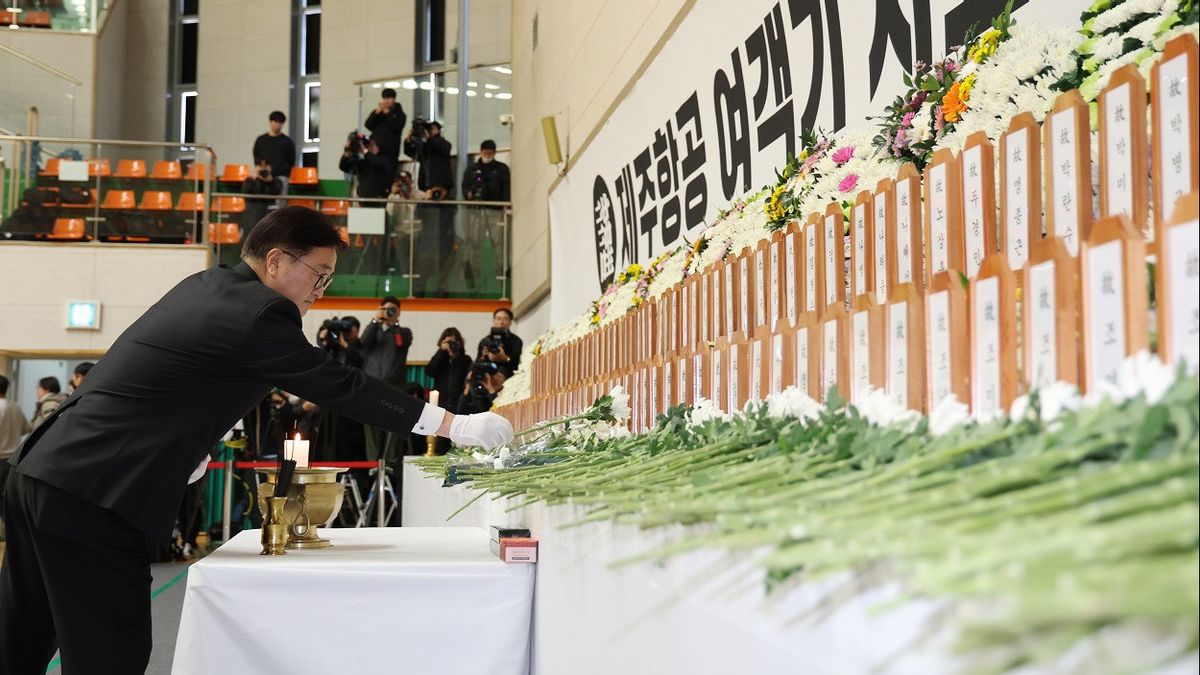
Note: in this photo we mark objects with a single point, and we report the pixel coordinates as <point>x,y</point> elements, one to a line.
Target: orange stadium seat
<point>196,171</point>
<point>99,167</point>
<point>130,168</point>
<point>156,200</point>
<point>190,201</point>
<point>306,203</point>
<point>224,233</point>
<point>335,207</point>
<point>51,168</point>
<point>303,176</point>
<point>235,173</point>
<point>69,229</point>
<point>166,170</point>
<point>119,200</point>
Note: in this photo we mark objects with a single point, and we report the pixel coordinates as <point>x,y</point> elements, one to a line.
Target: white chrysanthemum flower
<point>620,403</point>
<point>793,402</point>
<point>1054,400</point>
<point>882,409</point>
<point>704,410</point>
<point>948,415</point>
<point>1144,373</point>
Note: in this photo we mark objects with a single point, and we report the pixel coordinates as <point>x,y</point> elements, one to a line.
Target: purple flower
<point>939,122</point>
<point>918,66</point>
<point>843,154</point>
<point>917,100</point>
<point>906,121</point>
<point>847,184</point>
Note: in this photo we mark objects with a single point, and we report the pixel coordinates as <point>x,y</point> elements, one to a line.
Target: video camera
<point>473,185</point>
<point>495,340</point>
<point>334,329</point>
<point>357,142</point>
<point>420,128</point>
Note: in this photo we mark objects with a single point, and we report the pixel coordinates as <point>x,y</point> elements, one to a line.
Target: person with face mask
<point>485,180</point>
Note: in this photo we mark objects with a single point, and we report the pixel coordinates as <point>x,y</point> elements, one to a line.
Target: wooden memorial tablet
<point>978,184</point>
<point>906,347</point>
<point>867,347</point>
<point>993,306</point>
<point>812,232</point>
<point>703,320</point>
<point>760,366</point>
<point>947,340</point>
<point>1177,284</point>
<point>729,292</point>
<point>880,223</point>
<point>1174,93</point>
<point>1050,315</point>
<point>715,377</point>
<point>1067,139</point>
<point>1112,275</point>
<point>760,285</point>
<point>862,270</point>
<point>943,219</point>
<point>832,258</point>
<point>782,360</point>
<point>807,362</point>
<point>835,323</point>
<point>715,298</point>
<point>775,280</point>
<point>656,390</point>
<point>737,373</point>
<point>907,230</point>
<point>668,383</point>
<point>1124,180</point>
<point>1020,189</point>
<point>793,272</point>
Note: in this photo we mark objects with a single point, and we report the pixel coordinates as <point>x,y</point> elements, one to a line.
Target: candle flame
<point>297,435</point>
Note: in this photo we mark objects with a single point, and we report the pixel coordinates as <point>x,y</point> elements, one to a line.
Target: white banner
<point>716,113</point>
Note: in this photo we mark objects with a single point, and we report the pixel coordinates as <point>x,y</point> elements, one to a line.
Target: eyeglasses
<point>323,278</point>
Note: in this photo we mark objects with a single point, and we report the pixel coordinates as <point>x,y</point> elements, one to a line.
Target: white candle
<point>434,394</point>
<point>298,450</point>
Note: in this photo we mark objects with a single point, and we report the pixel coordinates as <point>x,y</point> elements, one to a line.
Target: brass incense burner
<point>313,497</point>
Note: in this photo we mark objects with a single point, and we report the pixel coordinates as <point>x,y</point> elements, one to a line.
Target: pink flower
<point>848,183</point>
<point>843,154</point>
<point>939,122</point>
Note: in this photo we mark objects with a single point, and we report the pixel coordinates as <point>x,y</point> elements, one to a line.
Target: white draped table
<point>413,600</point>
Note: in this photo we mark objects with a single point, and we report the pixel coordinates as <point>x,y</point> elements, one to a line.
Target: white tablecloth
<point>412,600</point>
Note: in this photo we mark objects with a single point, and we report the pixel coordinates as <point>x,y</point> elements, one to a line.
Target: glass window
<point>308,157</point>
<point>187,117</point>
<point>189,7</point>
<point>435,30</point>
<point>312,112</point>
<point>311,52</point>
<point>189,33</point>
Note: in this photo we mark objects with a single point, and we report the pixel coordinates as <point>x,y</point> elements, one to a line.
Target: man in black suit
<point>108,468</point>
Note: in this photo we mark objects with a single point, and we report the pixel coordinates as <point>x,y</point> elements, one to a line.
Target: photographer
<point>484,384</point>
<point>501,345</point>
<point>449,368</point>
<point>277,148</point>
<point>485,180</point>
<point>334,437</point>
<point>386,124</point>
<point>262,182</point>
<point>435,179</point>
<point>384,346</point>
<point>363,158</point>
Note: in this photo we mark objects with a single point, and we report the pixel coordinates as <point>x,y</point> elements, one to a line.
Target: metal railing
<point>107,223</point>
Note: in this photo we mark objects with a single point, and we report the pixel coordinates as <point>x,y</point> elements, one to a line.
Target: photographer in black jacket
<point>370,164</point>
<point>386,124</point>
<point>484,384</point>
<point>384,347</point>
<point>449,367</point>
<point>485,180</point>
<point>426,145</point>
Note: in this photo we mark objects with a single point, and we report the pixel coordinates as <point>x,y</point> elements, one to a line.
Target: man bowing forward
<point>108,468</point>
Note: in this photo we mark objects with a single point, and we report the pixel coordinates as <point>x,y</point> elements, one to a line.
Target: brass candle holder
<point>274,529</point>
<point>431,446</point>
<point>313,496</point>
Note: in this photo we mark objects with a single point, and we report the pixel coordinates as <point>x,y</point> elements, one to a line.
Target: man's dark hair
<point>3,386</point>
<point>352,320</point>
<point>390,298</point>
<point>295,229</point>
<point>503,310</point>
<point>489,144</point>
<point>277,116</point>
<point>388,93</point>
<point>84,368</point>
<point>50,384</point>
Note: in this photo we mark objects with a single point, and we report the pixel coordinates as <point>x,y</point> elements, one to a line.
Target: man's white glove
<point>486,430</point>
<point>200,469</point>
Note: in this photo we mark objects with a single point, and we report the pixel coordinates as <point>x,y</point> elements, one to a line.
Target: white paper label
<point>729,327</point>
<point>697,377</point>
<point>776,364</point>
<point>1042,342</point>
<point>1183,270</point>
<point>715,374</point>
<point>881,248</point>
<point>897,383</point>
<point>654,409</point>
<point>860,354</point>
<point>744,272</point>
<point>1174,123</point>
<point>937,218</point>
<point>801,378</point>
<point>1063,183</point>
<point>714,296</point>
<point>686,338</point>
<point>773,284</point>
<point>703,303</point>
<point>1016,197</point>
<point>683,388</point>
<point>972,196</point>
<point>760,296</point>
<point>1106,313</point>
<point>859,263</point>
<point>810,263</point>
<point>830,263</point>
<point>731,386</point>
<point>938,345</point>
<point>790,291</point>
<point>1119,153</point>
<point>985,381</point>
<point>756,349</point>
<point>829,361</point>
<point>668,393</point>
<point>904,274</point>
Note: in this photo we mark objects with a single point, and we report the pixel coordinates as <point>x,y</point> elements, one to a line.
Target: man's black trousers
<point>76,578</point>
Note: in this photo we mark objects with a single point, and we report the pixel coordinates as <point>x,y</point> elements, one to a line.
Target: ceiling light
<point>489,85</point>
<point>502,69</point>
<point>487,94</point>
<point>391,84</point>
<point>409,84</point>
<point>426,86</point>
<point>451,90</point>
<point>504,95</point>
<point>377,86</point>
<point>471,92</point>
<point>472,84</point>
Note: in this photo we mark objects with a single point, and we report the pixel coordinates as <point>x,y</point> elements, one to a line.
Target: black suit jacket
<point>179,378</point>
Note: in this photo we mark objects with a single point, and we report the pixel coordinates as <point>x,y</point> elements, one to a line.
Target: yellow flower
<point>985,46</point>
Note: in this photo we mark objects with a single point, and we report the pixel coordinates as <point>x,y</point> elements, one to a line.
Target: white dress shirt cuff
<point>431,420</point>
